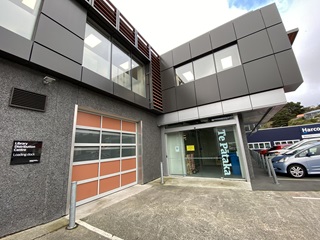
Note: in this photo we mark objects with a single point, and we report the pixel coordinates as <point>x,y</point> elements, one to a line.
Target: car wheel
<point>296,171</point>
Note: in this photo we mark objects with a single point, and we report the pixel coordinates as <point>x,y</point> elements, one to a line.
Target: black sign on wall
<point>24,152</point>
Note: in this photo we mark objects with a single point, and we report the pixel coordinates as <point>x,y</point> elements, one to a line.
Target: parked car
<point>291,152</point>
<point>274,148</point>
<point>303,162</point>
<point>293,146</point>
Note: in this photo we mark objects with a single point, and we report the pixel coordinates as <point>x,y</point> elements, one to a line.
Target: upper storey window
<point>128,72</point>
<point>113,62</point>
<point>19,16</point>
<point>219,61</point>
<point>97,52</point>
<point>121,66</point>
<point>138,78</point>
<point>227,58</point>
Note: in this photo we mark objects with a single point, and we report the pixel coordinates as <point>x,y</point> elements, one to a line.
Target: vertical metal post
<point>275,179</point>
<point>268,166</point>
<point>72,209</point>
<point>161,169</point>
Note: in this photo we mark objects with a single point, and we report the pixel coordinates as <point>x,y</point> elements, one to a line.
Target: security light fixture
<point>92,41</point>
<point>48,80</point>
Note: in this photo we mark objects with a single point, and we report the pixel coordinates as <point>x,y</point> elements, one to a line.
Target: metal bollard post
<point>275,179</point>
<point>72,208</point>
<point>161,169</point>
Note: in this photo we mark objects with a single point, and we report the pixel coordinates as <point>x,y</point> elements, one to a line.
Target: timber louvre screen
<point>105,156</point>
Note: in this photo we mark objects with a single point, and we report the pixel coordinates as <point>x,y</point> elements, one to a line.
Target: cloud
<point>247,4</point>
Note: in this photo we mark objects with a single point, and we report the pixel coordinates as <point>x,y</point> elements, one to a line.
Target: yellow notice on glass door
<point>190,148</point>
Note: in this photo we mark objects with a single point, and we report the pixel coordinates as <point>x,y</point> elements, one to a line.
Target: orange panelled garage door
<point>105,156</point>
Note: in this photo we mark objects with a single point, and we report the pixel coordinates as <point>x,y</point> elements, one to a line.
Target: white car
<point>293,146</point>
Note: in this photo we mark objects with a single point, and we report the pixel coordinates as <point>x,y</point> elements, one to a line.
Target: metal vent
<point>156,82</point>
<point>28,100</point>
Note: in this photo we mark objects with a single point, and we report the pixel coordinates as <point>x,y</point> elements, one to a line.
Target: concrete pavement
<point>195,212</point>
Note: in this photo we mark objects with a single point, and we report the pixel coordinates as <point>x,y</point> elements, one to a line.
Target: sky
<point>166,24</point>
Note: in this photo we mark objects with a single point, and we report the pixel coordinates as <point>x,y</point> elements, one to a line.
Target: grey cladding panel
<point>289,70</point>
<point>15,44</point>
<point>96,80</point>
<point>68,13</point>
<point>169,100</point>
<point>186,96</point>
<point>200,45</point>
<point>222,35</point>
<point>262,75</point>
<point>279,38</point>
<point>57,38</point>
<point>55,62</point>
<point>207,90</point>
<point>270,15</point>
<point>232,83</point>
<point>142,101</point>
<point>168,78</point>
<point>254,46</point>
<point>181,54</point>
<point>122,92</point>
<point>248,24</point>
<point>166,60</point>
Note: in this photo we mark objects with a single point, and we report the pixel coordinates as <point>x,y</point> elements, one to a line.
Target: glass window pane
<point>256,146</point>
<point>250,145</point>
<point>128,138</point>
<point>268,145</point>
<point>110,152</point>
<point>261,145</point>
<point>204,67</point>
<point>128,151</point>
<point>184,74</point>
<point>87,136</point>
<point>85,154</point>
<point>227,58</point>
<point>96,53</point>
<point>27,12</point>
<point>138,79</point>
<point>110,137</point>
<point>121,66</point>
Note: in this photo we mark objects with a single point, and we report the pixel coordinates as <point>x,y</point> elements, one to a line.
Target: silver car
<point>298,165</point>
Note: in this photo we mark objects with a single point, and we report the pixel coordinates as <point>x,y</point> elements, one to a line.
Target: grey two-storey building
<point>85,98</point>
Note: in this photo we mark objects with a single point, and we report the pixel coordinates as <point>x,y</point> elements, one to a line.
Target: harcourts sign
<point>310,132</point>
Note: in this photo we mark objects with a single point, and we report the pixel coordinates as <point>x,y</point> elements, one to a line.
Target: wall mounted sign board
<point>25,152</point>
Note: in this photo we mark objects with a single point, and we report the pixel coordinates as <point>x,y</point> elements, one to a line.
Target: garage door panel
<point>109,167</point>
<point>111,123</point>
<point>86,171</point>
<point>105,149</point>
<point>89,120</point>
<point>128,126</point>
<point>128,164</point>
<point>87,190</point>
<point>128,178</point>
<point>108,184</point>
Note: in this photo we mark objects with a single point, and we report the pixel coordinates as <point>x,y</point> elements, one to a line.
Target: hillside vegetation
<point>287,116</point>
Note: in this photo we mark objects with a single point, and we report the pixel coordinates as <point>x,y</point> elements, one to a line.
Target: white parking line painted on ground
<point>97,230</point>
<point>309,198</point>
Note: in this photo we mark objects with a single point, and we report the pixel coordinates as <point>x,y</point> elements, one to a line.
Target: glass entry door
<point>208,152</point>
<point>175,154</point>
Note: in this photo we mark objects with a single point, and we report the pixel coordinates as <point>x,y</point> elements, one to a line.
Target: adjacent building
<point>85,98</point>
